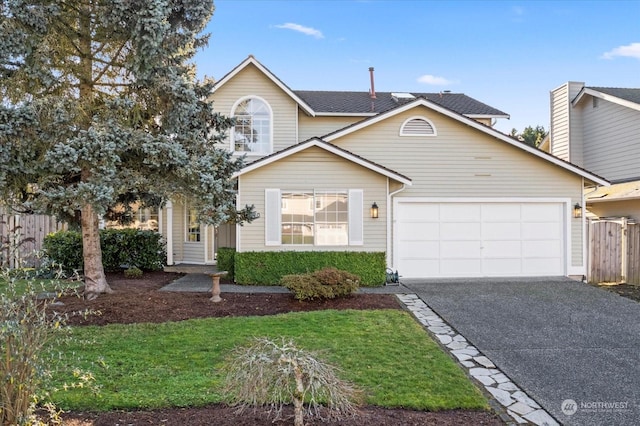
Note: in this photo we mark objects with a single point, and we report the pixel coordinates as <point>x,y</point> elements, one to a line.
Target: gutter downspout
<point>390,258</point>
<point>169,209</point>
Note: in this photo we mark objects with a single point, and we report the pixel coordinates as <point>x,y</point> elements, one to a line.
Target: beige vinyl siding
<point>560,122</point>
<point>463,162</point>
<point>309,127</point>
<point>612,136</point>
<point>314,169</point>
<point>251,82</point>
<point>178,231</point>
<point>626,208</point>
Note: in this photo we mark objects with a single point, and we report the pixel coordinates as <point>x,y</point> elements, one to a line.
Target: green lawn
<point>36,285</point>
<point>384,352</point>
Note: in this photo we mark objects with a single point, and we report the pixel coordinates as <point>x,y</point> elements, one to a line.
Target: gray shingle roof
<point>360,102</point>
<point>628,94</point>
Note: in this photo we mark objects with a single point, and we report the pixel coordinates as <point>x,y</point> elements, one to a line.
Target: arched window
<point>252,132</point>
<point>417,126</point>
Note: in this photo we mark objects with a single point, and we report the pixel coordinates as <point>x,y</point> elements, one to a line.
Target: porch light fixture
<point>577,211</point>
<point>374,211</point>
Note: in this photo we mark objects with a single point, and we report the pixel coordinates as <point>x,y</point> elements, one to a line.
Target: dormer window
<point>417,126</point>
<point>253,130</point>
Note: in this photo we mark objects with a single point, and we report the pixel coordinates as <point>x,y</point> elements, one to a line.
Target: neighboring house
<point>598,128</point>
<point>453,197</point>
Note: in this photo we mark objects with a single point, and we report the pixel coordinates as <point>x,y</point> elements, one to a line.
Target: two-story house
<point>598,128</point>
<point>421,177</point>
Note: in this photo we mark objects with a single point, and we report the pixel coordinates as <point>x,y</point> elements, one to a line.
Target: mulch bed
<point>138,300</point>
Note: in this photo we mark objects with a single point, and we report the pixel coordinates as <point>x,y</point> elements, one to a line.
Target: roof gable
<point>422,102</point>
<point>316,142</point>
<point>253,61</point>
<point>627,97</point>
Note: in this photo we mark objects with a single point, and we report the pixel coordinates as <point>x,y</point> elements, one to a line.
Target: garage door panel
<point>501,231</point>
<point>469,239</point>
<point>419,231</point>
<point>460,231</point>
<point>420,249</point>
<point>544,212</point>
<point>420,268</point>
<point>459,212</point>
<point>502,249</point>
<point>461,267</point>
<point>460,249</point>
<point>542,266</point>
<point>417,212</point>
<point>540,231</point>
<point>502,267</point>
<point>501,212</point>
<point>548,249</point>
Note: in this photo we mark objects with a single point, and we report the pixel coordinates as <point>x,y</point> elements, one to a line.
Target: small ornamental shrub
<point>133,272</point>
<point>273,374</point>
<point>327,283</point>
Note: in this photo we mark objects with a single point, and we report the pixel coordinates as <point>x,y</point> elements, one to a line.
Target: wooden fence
<point>21,235</point>
<point>614,251</point>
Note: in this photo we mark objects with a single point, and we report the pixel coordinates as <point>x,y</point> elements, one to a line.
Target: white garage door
<point>479,239</point>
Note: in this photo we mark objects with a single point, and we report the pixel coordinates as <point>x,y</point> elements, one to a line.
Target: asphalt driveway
<point>557,339</point>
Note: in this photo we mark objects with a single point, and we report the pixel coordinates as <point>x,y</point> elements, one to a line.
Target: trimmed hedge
<point>131,247</point>
<point>225,260</point>
<point>268,267</point>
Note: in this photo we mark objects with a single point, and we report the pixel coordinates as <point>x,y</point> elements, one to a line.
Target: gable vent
<point>417,127</point>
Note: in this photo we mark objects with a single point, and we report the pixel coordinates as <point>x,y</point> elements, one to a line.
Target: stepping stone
<point>519,420</point>
<point>444,339</point>
<point>485,380</point>
<point>484,361</point>
<point>503,397</point>
<point>468,364</point>
<point>501,378</point>
<point>541,418</point>
<point>459,338</point>
<point>475,372</point>
<point>524,398</point>
<point>467,351</point>
<point>461,356</point>
<point>508,386</point>
<point>457,345</point>
<point>439,330</point>
<point>520,408</point>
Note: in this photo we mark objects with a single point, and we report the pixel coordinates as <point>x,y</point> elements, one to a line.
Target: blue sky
<point>507,54</point>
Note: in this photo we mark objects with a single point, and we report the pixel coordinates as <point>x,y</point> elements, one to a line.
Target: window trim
<point>422,118</point>
<point>187,232</point>
<point>273,216</point>
<point>232,140</point>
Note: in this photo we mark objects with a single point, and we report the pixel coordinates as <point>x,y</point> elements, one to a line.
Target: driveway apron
<point>572,347</point>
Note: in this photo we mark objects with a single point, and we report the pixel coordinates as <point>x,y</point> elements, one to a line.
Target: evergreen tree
<point>101,107</point>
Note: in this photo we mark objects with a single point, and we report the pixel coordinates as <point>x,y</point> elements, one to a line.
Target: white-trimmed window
<point>319,218</point>
<point>417,126</point>
<point>193,226</point>
<point>252,133</point>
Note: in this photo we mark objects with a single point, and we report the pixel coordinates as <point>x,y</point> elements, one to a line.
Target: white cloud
<point>632,51</point>
<point>434,80</point>
<point>302,29</point>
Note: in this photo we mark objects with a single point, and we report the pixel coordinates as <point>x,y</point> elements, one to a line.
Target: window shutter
<point>356,214</point>
<point>272,218</point>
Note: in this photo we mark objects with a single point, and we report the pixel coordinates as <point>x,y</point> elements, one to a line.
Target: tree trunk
<point>95,280</point>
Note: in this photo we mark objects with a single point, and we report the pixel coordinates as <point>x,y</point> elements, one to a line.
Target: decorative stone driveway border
<point>518,404</point>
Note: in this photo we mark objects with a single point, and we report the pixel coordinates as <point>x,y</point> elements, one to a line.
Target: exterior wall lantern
<point>374,210</point>
<point>577,211</point>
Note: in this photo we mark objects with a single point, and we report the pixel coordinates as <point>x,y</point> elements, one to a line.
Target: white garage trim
<point>563,226</point>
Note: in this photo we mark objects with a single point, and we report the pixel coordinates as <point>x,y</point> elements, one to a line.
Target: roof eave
<point>471,123</point>
<point>605,96</point>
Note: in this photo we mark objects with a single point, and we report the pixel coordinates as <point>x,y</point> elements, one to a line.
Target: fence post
<point>624,250</point>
